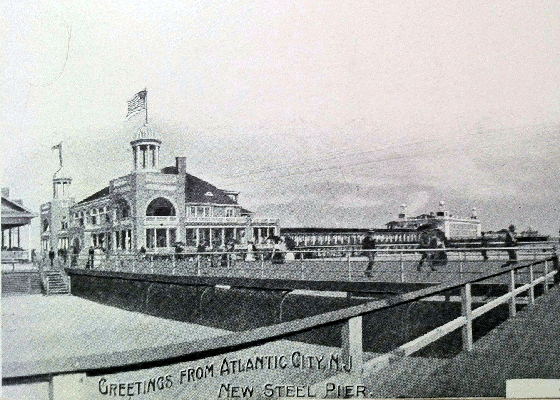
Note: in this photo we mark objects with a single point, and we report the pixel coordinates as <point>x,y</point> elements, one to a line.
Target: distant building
<point>15,216</point>
<point>454,227</point>
<point>404,232</point>
<point>150,207</point>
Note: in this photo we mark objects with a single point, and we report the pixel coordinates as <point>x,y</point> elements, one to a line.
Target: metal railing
<point>391,264</point>
<point>352,333</point>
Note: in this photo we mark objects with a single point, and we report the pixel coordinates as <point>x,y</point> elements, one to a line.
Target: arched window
<point>160,207</point>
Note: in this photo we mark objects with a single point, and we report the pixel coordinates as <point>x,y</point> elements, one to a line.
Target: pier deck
<point>526,346</point>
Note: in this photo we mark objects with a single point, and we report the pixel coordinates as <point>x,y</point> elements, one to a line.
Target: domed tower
<point>61,181</point>
<point>145,149</point>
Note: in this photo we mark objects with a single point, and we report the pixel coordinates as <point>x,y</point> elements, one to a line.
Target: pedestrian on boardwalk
<point>368,244</point>
<point>424,244</point>
<point>51,257</point>
<point>484,242</point>
<point>91,254</point>
<point>439,256</point>
<point>511,241</point>
<point>278,251</point>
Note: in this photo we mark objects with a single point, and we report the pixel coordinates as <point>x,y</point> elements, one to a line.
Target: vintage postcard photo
<point>280,199</point>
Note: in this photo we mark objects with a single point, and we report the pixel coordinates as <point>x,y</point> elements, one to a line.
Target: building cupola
<point>145,149</point>
<point>61,180</point>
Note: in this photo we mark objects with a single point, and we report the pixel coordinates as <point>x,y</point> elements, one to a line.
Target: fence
<point>66,375</point>
<point>391,265</point>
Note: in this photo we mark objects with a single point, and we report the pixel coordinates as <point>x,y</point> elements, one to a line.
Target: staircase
<point>14,283</point>
<point>56,283</point>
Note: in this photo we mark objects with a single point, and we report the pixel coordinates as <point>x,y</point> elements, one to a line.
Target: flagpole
<point>146,100</point>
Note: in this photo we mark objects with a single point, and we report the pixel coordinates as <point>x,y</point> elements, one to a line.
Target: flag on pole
<point>59,148</point>
<point>137,103</point>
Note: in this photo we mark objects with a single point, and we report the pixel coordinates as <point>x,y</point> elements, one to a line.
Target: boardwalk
<point>526,346</point>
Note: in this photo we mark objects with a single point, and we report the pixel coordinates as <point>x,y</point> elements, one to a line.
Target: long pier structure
<point>349,328</point>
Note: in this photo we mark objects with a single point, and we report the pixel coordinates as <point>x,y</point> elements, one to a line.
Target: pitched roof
<point>199,191</point>
<point>13,207</point>
<point>97,195</point>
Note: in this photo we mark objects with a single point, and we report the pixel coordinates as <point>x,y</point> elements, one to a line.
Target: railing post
<point>302,270</point>
<point>262,265</point>
<point>532,289</point>
<point>198,264</point>
<point>152,263</point>
<point>402,268</point>
<point>512,307</point>
<point>546,277</point>
<point>349,267</point>
<point>461,265</point>
<point>466,311</point>
<point>67,387</point>
<point>555,264</point>
<point>352,349</point>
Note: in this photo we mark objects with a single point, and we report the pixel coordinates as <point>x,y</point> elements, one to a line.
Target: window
<point>229,212</point>
<point>172,236</point>
<point>160,207</point>
<point>94,216</point>
<point>103,215</point>
<point>45,225</point>
<point>150,238</point>
<point>123,209</point>
<point>190,237</point>
<point>161,237</point>
<point>123,239</point>
<point>200,211</point>
<point>64,224</point>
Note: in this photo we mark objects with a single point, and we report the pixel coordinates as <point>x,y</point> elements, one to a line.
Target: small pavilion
<point>14,217</point>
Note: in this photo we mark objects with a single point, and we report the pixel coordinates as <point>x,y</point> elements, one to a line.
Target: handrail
<point>172,353</point>
<point>377,250</point>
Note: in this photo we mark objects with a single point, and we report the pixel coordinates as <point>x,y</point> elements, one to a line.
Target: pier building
<point>404,231</point>
<point>454,227</point>
<point>152,208</point>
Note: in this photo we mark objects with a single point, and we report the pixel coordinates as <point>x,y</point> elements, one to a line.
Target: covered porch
<point>16,230</point>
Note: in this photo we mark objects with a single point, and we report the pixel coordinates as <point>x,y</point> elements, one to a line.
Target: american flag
<point>137,103</point>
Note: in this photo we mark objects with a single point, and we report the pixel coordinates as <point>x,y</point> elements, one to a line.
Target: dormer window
<point>209,194</point>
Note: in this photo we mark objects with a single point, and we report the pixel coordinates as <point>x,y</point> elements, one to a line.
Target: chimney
<point>6,192</point>
<point>181,163</point>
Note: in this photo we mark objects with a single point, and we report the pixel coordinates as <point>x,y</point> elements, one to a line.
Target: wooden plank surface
<point>527,346</point>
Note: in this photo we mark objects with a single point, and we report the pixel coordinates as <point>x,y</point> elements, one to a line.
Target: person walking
<point>424,243</point>
<point>484,242</point>
<point>439,256</point>
<point>91,257</point>
<point>51,257</point>
<point>511,242</point>
<point>368,244</point>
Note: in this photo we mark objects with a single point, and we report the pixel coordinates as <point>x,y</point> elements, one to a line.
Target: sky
<point>321,113</point>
